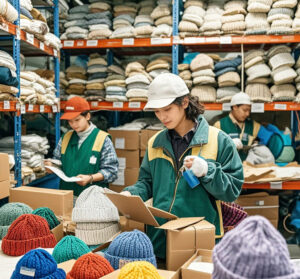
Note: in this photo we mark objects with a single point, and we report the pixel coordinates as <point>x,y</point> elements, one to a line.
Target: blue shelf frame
<point>18,118</point>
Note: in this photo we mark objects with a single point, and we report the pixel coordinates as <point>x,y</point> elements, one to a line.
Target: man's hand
<point>48,163</point>
<point>85,179</point>
<point>196,164</point>
<point>238,143</point>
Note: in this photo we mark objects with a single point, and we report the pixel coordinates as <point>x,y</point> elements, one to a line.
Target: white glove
<point>238,143</point>
<point>199,166</point>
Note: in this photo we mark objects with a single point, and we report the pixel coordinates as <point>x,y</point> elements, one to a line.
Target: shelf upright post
<point>56,70</point>
<point>175,47</point>
<point>110,61</point>
<point>17,118</point>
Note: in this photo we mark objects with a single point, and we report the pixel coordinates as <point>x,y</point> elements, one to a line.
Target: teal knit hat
<point>48,214</point>
<point>9,213</point>
<point>70,247</point>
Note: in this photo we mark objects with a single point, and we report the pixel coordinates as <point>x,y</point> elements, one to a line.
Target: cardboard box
<point>4,167</point>
<point>145,136</point>
<point>261,204</point>
<point>128,159</point>
<point>206,256</point>
<point>67,266</point>
<point>115,188</point>
<point>125,139</point>
<point>4,189</point>
<point>58,232</point>
<point>128,225</point>
<point>60,201</point>
<point>184,235</point>
<point>126,177</point>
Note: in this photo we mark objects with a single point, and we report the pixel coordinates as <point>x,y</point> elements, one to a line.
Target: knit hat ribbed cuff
<point>117,262</point>
<point>21,247</point>
<point>94,237</point>
<point>95,215</point>
<point>58,274</point>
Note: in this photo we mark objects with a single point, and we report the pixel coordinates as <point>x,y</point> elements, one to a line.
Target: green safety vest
<point>85,160</point>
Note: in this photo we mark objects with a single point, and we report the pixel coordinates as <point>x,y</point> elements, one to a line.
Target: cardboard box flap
<point>164,273</point>
<point>66,266</point>
<point>133,207</point>
<point>180,223</point>
<point>161,213</point>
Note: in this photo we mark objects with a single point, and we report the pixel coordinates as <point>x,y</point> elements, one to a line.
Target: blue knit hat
<point>129,247</point>
<point>38,263</point>
<point>48,214</point>
<point>9,213</point>
<point>70,247</point>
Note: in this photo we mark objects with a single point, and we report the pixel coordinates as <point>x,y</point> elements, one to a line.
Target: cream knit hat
<point>284,92</point>
<point>258,70</point>
<point>201,62</point>
<point>281,59</point>
<point>258,92</point>
<point>205,94</point>
<point>283,74</point>
<point>278,49</point>
<point>93,206</point>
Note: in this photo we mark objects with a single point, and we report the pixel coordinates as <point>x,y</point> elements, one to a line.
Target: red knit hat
<point>90,266</point>
<point>26,233</point>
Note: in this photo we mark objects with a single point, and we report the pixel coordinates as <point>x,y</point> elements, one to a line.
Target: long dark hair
<point>194,108</point>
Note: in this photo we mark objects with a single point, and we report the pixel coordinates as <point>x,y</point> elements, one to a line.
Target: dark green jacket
<point>159,178</point>
<point>84,160</point>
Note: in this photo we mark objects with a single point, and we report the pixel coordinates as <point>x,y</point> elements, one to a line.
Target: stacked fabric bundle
<point>162,16</point>
<point>76,77</point>
<point>283,75</point>
<point>8,11</point>
<point>124,16</point>
<point>77,25</point>
<point>63,84</point>
<point>34,149</point>
<point>185,74</point>
<point>97,72</point>
<point>96,217</point>
<point>159,65</point>
<point>228,78</point>
<point>256,19</point>
<point>213,19</point>
<point>233,19</point>
<point>36,90</point>
<point>281,17</point>
<point>143,23</point>
<point>258,76</point>
<point>115,86</point>
<point>203,78</point>
<point>25,9</point>
<point>99,20</point>
<point>137,82</point>
<point>296,22</point>
<point>192,20</point>
<point>8,77</point>
<point>297,80</point>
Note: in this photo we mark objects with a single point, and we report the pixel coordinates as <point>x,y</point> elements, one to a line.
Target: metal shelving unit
<point>13,39</point>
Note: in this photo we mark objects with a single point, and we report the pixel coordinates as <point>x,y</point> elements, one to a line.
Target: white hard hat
<point>240,99</point>
<point>164,89</point>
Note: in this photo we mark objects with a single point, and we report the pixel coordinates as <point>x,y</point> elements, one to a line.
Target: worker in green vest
<point>238,125</point>
<point>190,146</point>
<point>85,151</point>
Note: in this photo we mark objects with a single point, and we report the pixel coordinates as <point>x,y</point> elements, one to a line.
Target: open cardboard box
<point>67,266</point>
<point>184,235</point>
<point>186,273</point>
<point>58,232</point>
<point>164,273</point>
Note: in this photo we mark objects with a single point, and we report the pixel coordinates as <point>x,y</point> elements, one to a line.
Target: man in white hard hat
<point>238,125</point>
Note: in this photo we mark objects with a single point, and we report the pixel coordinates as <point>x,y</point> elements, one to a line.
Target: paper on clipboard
<point>62,175</point>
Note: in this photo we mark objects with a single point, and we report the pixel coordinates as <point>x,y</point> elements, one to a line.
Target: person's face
<point>241,113</point>
<point>172,115</point>
<point>80,123</point>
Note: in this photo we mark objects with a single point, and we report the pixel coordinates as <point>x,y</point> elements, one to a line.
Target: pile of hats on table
<point>8,77</point>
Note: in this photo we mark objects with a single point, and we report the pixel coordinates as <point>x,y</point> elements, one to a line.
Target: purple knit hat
<point>254,249</point>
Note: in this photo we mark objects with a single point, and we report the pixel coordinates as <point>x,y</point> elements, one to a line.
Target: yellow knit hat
<point>139,270</point>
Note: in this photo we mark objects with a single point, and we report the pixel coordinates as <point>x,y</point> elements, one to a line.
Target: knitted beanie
<point>254,249</point>
<point>9,213</point>
<point>139,270</point>
<point>49,215</point>
<point>27,232</point>
<point>93,206</point>
<point>70,247</point>
<point>129,247</point>
<point>38,263</point>
<point>90,266</point>
<point>259,92</point>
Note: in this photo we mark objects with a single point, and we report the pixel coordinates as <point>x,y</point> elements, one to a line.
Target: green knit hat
<point>70,247</point>
<point>47,214</point>
<point>9,213</point>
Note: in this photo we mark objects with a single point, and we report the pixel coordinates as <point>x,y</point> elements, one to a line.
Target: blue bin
<point>50,181</point>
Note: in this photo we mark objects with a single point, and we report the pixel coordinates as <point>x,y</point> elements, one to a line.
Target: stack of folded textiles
<point>77,80</point>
